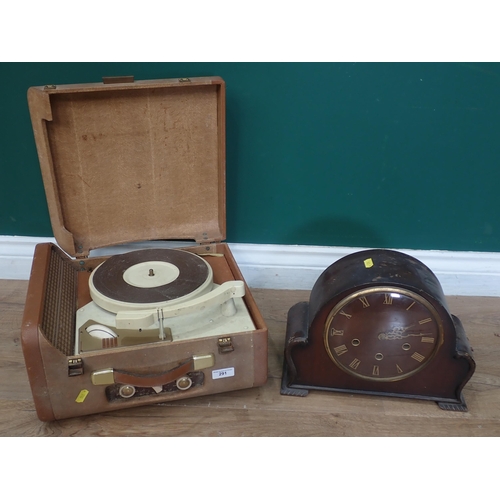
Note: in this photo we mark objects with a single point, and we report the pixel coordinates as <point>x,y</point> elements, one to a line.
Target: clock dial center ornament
<point>377,323</point>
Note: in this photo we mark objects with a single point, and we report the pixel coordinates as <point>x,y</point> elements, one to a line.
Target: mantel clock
<point>377,323</point>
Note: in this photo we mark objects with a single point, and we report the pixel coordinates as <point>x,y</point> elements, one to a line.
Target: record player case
<point>127,161</point>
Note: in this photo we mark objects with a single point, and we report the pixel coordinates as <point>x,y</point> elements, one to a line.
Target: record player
<point>127,161</point>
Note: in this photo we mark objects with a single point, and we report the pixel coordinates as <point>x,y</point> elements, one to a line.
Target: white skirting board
<point>294,266</point>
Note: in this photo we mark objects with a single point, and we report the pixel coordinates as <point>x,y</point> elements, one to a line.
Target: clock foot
<point>453,406</point>
<point>291,391</point>
<point>296,334</point>
<point>286,390</point>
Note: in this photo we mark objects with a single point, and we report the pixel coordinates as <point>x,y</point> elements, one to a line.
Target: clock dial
<point>383,333</point>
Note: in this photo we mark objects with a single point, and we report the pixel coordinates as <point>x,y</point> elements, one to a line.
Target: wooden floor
<point>263,411</point>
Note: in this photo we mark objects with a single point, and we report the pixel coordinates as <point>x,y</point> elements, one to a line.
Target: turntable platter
<point>149,278</point>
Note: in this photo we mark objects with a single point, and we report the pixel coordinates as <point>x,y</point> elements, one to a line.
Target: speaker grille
<point>58,321</point>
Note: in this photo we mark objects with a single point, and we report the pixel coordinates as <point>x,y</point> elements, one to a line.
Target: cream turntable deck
<point>156,295</point>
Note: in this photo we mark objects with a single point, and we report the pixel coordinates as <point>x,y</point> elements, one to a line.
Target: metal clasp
<point>225,345</point>
<point>75,367</point>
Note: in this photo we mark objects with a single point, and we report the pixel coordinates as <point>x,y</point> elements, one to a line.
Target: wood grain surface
<point>263,411</point>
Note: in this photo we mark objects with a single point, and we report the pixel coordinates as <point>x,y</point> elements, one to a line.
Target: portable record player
<point>135,161</point>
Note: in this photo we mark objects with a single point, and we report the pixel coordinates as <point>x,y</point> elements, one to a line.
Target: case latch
<point>225,345</point>
<point>75,367</point>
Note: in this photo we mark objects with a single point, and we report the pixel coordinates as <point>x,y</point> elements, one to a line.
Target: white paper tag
<point>223,373</point>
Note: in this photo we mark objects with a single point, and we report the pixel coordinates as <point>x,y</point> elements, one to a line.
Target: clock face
<point>383,333</point>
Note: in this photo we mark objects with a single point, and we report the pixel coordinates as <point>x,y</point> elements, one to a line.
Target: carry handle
<point>117,79</point>
<point>110,376</point>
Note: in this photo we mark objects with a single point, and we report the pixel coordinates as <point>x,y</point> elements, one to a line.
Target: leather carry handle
<point>111,376</point>
<point>122,377</point>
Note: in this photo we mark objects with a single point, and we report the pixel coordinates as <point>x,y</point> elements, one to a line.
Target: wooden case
<point>125,161</point>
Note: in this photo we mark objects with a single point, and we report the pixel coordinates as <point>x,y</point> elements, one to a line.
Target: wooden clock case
<point>307,365</point>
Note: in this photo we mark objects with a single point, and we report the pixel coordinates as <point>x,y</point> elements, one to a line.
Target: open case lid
<point>132,161</point>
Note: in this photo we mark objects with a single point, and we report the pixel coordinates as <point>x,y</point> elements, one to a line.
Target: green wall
<point>373,155</point>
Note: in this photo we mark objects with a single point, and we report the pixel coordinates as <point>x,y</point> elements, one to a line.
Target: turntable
<point>155,295</point>
<point>138,163</point>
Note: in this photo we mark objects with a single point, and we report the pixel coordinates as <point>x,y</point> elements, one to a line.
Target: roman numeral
<point>388,299</point>
<point>417,357</point>
<point>348,316</point>
<point>410,306</point>
<point>428,340</point>
<point>364,301</point>
<point>424,321</point>
<point>355,363</point>
<point>336,332</point>
<point>341,349</point>
<point>376,370</point>
<point>398,368</point>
